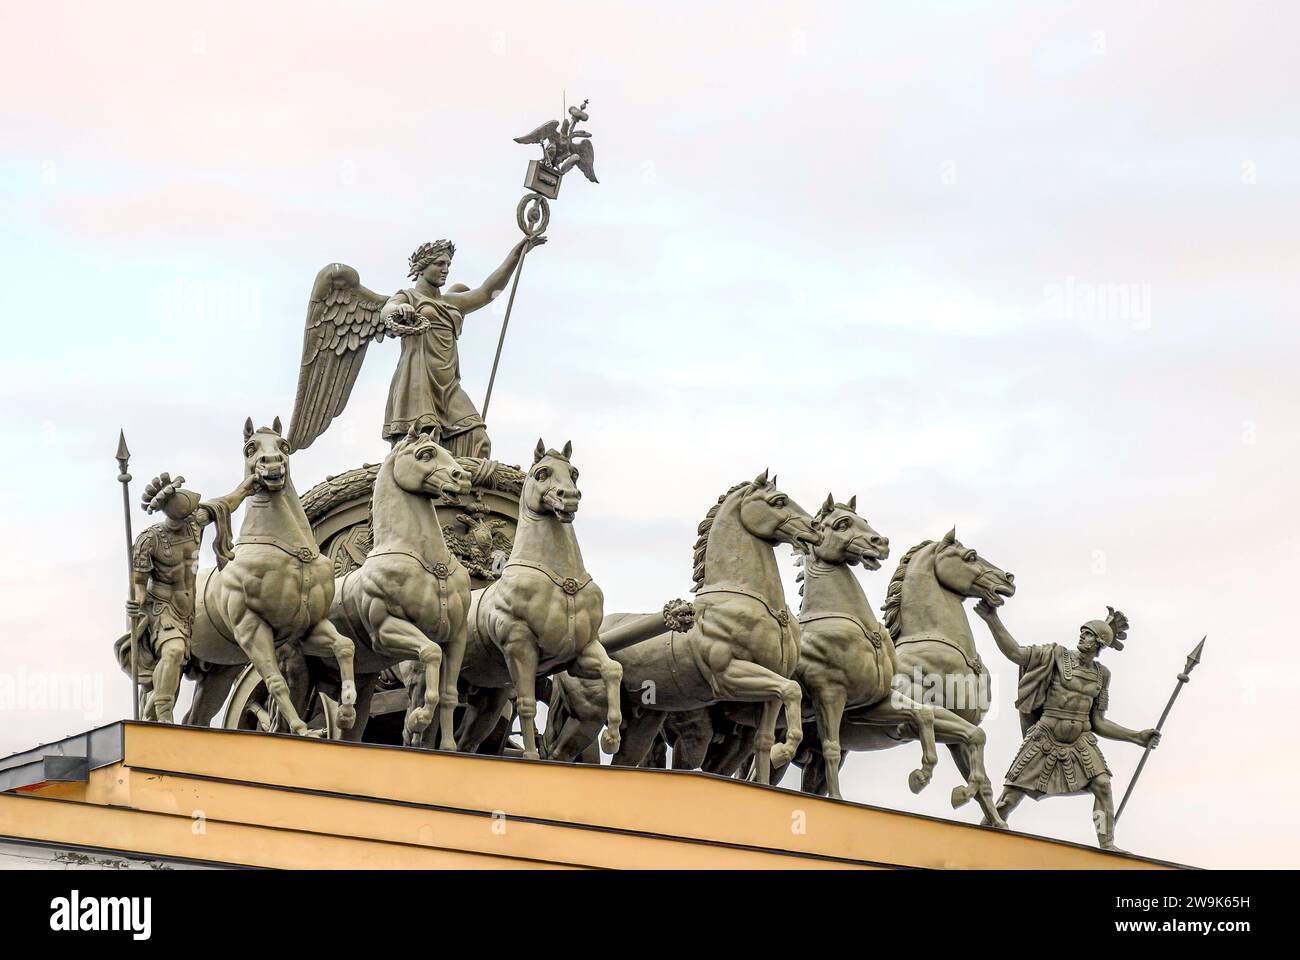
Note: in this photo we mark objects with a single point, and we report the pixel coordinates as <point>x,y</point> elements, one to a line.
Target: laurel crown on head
<point>426,252</point>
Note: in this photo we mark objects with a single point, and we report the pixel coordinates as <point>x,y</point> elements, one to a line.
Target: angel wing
<point>586,159</point>
<point>547,131</point>
<point>342,319</point>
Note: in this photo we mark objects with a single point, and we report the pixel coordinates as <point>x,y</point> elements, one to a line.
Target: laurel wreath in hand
<point>397,328</point>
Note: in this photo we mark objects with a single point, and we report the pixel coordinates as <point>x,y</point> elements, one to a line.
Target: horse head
<point>552,483</point>
<point>847,537</point>
<point>266,455</point>
<point>767,513</point>
<point>422,466</point>
<point>963,571</point>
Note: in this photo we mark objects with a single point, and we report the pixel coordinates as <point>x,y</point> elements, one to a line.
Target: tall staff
<point>564,147</point>
<point>123,457</point>
<point>1193,659</point>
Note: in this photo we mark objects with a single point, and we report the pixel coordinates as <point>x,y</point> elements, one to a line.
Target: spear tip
<point>123,454</point>
<point>1195,655</point>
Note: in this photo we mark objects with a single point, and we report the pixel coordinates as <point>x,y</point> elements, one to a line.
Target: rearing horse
<point>542,615</point>
<point>937,661</point>
<point>744,644</point>
<point>410,598</point>
<point>277,589</point>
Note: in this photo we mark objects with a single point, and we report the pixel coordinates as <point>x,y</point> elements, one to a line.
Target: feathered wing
<point>342,319</point>
<point>545,132</point>
<point>586,159</point>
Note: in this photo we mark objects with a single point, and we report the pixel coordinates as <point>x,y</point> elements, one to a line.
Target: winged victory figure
<point>344,318</point>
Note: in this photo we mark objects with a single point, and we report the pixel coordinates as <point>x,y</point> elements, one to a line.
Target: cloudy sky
<point>1026,268</point>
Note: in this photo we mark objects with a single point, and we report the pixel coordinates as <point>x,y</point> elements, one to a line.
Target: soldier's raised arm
<point>230,501</point>
<point>1006,643</point>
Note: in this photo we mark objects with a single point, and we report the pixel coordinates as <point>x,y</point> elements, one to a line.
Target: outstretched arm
<point>1114,731</point>
<point>231,500</point>
<point>1006,643</point>
<point>491,288</point>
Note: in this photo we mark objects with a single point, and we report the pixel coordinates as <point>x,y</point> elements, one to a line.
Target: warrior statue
<point>164,561</point>
<point>343,317</point>
<point>1062,699</point>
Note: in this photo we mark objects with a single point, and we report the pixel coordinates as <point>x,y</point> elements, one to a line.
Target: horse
<point>847,659</point>
<point>542,615</point>
<point>744,643</point>
<point>276,591</point>
<point>410,599</point>
<point>937,663</point>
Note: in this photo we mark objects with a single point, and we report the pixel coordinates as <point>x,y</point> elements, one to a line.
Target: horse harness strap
<point>972,659</point>
<point>569,585</point>
<point>441,571</point>
<point>305,556</point>
<point>871,635</point>
<point>782,617</point>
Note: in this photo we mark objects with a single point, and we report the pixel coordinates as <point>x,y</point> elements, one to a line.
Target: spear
<point>123,457</point>
<point>1193,659</point>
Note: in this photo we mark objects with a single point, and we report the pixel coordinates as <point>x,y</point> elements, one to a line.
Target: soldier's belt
<point>1058,714</point>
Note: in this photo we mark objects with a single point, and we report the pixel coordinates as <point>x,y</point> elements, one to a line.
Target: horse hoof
<point>961,795</point>
<point>347,717</point>
<point>918,780</point>
<point>610,741</point>
<point>782,754</point>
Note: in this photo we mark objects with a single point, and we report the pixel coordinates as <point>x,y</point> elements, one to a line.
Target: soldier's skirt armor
<point>1060,755</point>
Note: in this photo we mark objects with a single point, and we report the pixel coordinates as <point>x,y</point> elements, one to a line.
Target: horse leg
<point>952,729</point>
<point>829,707</point>
<point>453,653</point>
<point>211,687</point>
<point>482,714</point>
<point>400,638</point>
<point>898,708</point>
<point>748,681</point>
<point>764,738</point>
<point>365,694</point>
<point>638,737</point>
<point>521,654</point>
<point>325,641</point>
<point>593,663</point>
<point>258,643</point>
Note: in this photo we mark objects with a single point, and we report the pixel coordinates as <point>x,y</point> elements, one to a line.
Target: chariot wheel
<point>251,707</point>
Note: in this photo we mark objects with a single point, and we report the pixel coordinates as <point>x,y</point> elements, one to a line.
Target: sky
<point>1025,268</point>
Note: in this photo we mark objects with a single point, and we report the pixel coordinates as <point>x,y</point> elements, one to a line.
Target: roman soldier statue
<point>1062,699</point>
<point>164,563</point>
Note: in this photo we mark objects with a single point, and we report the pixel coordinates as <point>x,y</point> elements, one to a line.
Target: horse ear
<point>829,505</point>
<point>248,428</point>
<point>539,451</point>
<point>951,535</point>
<point>275,425</point>
<point>853,503</point>
<point>761,479</point>
<point>568,449</point>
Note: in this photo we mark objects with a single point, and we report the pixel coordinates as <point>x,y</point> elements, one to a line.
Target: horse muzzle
<point>272,476</point>
<point>994,588</point>
<point>563,505</point>
<point>798,532</point>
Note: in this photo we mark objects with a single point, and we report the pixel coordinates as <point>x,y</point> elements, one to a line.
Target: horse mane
<point>703,530</point>
<point>893,604</point>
